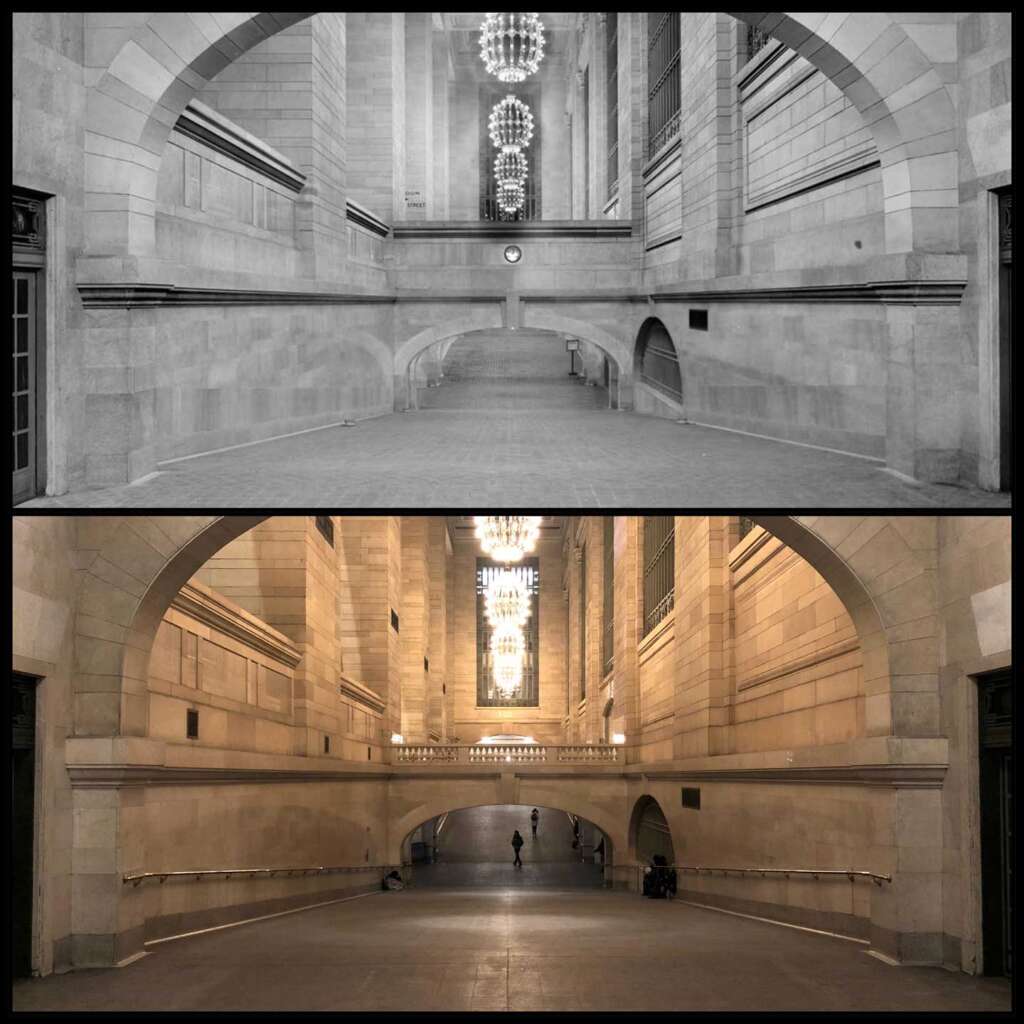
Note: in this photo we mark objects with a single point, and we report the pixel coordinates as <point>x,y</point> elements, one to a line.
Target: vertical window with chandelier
<point>663,79</point>
<point>490,209</point>
<point>488,692</point>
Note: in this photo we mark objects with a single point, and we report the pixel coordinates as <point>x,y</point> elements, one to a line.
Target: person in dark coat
<point>517,845</point>
<point>534,818</point>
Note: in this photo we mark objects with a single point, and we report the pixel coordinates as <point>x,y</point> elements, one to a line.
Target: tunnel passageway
<point>474,849</point>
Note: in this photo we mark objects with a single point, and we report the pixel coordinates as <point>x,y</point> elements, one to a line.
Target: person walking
<point>517,845</point>
<point>534,818</point>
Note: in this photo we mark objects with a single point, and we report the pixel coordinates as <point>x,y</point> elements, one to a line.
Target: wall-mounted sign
<point>414,199</point>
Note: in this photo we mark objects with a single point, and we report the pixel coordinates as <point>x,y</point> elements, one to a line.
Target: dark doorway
<point>22,701</point>
<point>28,240</point>
<point>995,712</point>
<point>1005,334</point>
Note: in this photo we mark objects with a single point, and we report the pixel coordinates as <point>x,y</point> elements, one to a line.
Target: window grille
<point>608,646</point>
<point>663,85</point>
<point>582,605</point>
<point>657,361</point>
<point>488,185</point>
<point>659,569</point>
<point>487,694</point>
<point>612,100</point>
<point>757,39</point>
<point>326,527</point>
<point>746,525</point>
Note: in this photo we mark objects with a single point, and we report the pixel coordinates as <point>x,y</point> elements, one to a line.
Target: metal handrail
<point>199,875</point>
<point>813,872</point>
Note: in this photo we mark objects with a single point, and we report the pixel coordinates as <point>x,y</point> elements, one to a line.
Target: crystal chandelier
<point>508,642</point>
<point>510,124</point>
<point>507,538</point>
<point>511,196</point>
<point>508,677</point>
<point>510,165</point>
<point>511,45</point>
<point>507,601</point>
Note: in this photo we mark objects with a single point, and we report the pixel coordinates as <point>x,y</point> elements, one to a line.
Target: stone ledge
<point>514,229</point>
<point>886,775</point>
<point>206,125</point>
<point>212,609</point>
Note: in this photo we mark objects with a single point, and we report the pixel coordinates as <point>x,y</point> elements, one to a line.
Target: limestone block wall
<point>215,661</point>
<point>983,41</point>
<point>795,653</point>
<point>974,628</point>
<point>45,577</point>
<point>240,825</point>
<point>49,60</point>
<point>786,372</point>
<point>543,722</point>
<point>375,74</point>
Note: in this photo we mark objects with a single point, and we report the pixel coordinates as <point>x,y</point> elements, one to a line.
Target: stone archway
<point>649,831</point>
<point>889,70</point>
<point>881,568</point>
<point>409,350</point>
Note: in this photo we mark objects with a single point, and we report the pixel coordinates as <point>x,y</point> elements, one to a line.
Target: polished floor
<point>504,949</point>
<point>558,449</point>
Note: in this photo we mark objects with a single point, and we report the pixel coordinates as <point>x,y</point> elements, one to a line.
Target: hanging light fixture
<point>508,642</point>
<point>508,676</point>
<point>510,124</point>
<point>511,196</point>
<point>511,45</point>
<point>507,538</point>
<point>510,165</point>
<point>507,600</point>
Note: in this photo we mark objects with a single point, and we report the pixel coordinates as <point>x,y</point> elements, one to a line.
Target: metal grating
<point>757,39</point>
<point>663,79</point>
<point>612,101</point>
<point>659,569</point>
<point>608,637</point>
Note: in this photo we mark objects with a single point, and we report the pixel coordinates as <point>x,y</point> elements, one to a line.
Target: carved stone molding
<point>898,776</point>
<point>207,606</point>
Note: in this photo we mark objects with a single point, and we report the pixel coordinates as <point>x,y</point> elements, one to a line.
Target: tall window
<point>586,142</point>
<point>662,79</point>
<point>608,551</point>
<point>28,241</point>
<point>487,695</point>
<point>489,96</point>
<point>659,569</point>
<point>582,605</point>
<point>612,100</point>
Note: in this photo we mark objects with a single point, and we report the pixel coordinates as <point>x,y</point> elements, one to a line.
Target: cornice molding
<point>365,218</point>
<point>133,296</point>
<point>126,295</point>
<point>514,229</point>
<point>899,776</point>
<point>206,125</point>
<point>118,776</point>
<point>210,609</point>
<point>361,694</point>
<point>835,651</point>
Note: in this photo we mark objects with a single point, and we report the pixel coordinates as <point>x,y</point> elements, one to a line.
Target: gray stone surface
<point>469,949</point>
<point>525,450</point>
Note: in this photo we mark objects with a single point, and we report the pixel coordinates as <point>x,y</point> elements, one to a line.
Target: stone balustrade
<point>504,754</point>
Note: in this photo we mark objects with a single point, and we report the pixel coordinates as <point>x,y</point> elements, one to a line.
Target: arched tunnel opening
<point>473,847</point>
<point>513,370</point>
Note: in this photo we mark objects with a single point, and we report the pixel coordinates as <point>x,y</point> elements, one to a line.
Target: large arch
<point>880,567</point>
<point>434,805</point>
<point>890,71</point>
<point>655,348</point>
<point>492,319</point>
